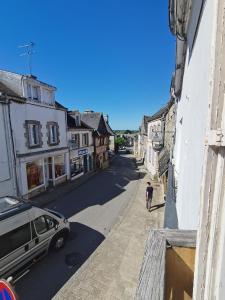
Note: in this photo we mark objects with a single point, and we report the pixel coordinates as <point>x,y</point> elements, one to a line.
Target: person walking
<point>149,194</point>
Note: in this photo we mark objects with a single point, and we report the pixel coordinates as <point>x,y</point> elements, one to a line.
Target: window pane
<point>59,166</point>
<point>75,140</point>
<point>28,90</point>
<point>35,92</point>
<point>34,174</point>
<point>50,222</point>
<point>40,225</point>
<point>76,166</point>
<point>33,134</point>
<point>14,239</point>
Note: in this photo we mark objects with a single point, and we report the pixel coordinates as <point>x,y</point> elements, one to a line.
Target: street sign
<point>6,291</point>
<point>82,152</point>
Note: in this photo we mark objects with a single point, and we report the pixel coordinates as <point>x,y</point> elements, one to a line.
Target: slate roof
<point>109,129</point>
<point>159,114</point>
<point>59,105</point>
<point>97,122</point>
<point>7,91</point>
<point>71,123</point>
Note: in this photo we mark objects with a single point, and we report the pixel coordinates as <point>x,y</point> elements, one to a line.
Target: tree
<point>127,131</point>
<point>119,142</point>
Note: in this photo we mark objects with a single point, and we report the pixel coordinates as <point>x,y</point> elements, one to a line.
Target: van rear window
<point>14,239</point>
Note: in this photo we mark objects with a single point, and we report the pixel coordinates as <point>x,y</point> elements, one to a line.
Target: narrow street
<point>92,209</point>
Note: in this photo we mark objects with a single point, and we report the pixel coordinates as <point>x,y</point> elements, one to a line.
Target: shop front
<point>40,173</point>
<point>81,162</point>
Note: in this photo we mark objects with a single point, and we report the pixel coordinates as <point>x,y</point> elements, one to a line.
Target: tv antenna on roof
<point>29,51</point>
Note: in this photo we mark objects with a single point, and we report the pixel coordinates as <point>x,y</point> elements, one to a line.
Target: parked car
<point>27,233</point>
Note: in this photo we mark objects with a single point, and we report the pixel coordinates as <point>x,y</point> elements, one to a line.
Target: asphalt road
<point>92,209</point>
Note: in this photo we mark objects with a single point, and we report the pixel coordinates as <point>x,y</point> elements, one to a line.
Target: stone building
<point>155,140</point>
<point>101,135</point>
<point>165,155</point>
<point>142,139</point>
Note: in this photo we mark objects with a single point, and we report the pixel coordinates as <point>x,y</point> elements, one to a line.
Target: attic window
<point>33,92</point>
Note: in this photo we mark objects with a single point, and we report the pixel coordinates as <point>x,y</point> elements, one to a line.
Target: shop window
<point>59,166</point>
<point>75,140</point>
<point>85,139</point>
<point>53,133</point>
<point>76,166</point>
<point>34,174</point>
<point>33,134</point>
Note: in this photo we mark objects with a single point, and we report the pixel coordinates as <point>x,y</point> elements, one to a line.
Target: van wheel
<point>58,242</point>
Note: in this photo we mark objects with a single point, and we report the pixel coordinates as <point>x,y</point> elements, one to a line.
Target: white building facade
<point>39,134</point>
<point>8,184</point>
<point>192,104</point>
<point>81,148</point>
<point>152,164</point>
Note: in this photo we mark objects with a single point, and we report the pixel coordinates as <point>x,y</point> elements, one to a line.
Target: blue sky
<point>112,56</point>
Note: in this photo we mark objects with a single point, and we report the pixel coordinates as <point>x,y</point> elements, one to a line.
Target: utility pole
<point>29,51</point>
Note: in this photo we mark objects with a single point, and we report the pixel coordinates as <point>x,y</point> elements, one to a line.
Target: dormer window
<point>33,92</point>
<point>29,91</point>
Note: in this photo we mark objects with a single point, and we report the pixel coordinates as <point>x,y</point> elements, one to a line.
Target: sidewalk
<point>61,190</point>
<point>112,271</point>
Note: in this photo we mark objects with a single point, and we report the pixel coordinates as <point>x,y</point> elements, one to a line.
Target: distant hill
<point>127,131</point>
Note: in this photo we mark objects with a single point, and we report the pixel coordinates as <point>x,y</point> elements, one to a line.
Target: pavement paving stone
<point>112,271</point>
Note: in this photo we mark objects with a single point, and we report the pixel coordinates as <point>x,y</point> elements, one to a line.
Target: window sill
<point>56,178</point>
<point>34,146</point>
<point>36,188</point>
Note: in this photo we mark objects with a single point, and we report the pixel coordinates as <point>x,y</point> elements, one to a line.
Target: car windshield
<point>7,203</point>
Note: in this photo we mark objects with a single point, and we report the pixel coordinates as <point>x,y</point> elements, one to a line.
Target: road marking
<point>119,186</point>
<point>125,178</point>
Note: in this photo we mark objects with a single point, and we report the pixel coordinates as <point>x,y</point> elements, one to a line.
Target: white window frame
<point>53,134</point>
<point>85,139</point>
<point>36,128</point>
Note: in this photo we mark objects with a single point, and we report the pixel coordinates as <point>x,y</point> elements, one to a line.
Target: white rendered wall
<point>43,114</point>
<point>151,154</point>
<point>7,174</point>
<point>192,118</point>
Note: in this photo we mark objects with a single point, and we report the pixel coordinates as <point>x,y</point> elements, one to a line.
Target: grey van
<point>26,234</point>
